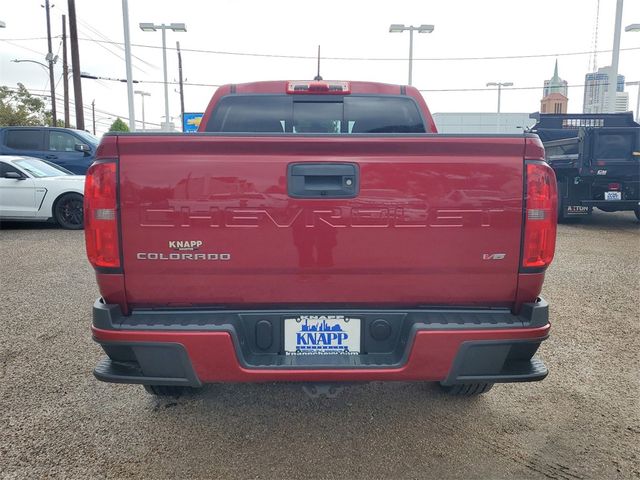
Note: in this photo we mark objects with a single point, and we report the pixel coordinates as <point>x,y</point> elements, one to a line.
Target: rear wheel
<point>637,212</point>
<point>68,211</point>
<point>466,389</point>
<point>167,390</point>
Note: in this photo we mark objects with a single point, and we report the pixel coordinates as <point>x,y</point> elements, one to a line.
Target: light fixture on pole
<point>499,85</point>
<point>142,95</point>
<point>176,27</point>
<point>396,28</point>
<point>634,27</point>
<point>15,60</point>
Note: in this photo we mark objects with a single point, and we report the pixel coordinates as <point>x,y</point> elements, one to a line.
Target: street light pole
<point>615,55</point>
<point>166,82</point>
<point>127,56</point>
<point>499,85</point>
<point>142,94</point>
<point>635,27</point>
<point>176,27</point>
<point>637,100</point>
<point>396,28</point>
<point>411,57</point>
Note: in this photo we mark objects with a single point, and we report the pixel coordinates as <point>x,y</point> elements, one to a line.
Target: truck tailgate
<point>207,220</point>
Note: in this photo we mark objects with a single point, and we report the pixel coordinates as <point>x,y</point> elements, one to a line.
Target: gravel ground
<point>583,421</point>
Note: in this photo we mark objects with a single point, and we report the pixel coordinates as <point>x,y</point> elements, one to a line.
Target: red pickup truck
<point>319,232</point>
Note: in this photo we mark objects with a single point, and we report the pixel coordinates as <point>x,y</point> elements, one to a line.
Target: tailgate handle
<point>323,180</point>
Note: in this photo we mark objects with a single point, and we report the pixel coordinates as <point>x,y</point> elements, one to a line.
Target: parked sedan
<point>34,189</point>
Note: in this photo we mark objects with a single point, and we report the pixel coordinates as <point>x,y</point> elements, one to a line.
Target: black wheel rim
<point>71,212</point>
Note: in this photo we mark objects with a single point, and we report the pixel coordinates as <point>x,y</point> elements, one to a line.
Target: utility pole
<point>181,84</point>
<point>65,72</point>
<point>93,114</point>
<point>54,117</point>
<point>75,65</point>
<point>613,71</point>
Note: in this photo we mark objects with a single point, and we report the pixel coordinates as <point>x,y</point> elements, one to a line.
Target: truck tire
<point>167,390</point>
<point>637,212</point>
<point>466,389</point>
<point>68,211</point>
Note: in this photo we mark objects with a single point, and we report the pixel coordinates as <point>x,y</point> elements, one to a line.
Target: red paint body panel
<point>429,209</point>
<point>214,359</point>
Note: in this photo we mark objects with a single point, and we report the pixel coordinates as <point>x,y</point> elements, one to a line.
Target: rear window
<point>614,146</point>
<point>308,114</point>
<point>25,139</point>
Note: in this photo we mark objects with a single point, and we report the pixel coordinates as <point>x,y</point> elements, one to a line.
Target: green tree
<point>118,126</point>
<point>19,107</point>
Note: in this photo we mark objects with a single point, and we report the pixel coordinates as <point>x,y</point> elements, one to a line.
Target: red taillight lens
<point>540,216</point>
<point>101,216</point>
<point>614,186</point>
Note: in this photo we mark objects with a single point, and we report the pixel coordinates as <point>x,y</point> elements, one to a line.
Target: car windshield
<point>87,137</point>
<point>40,169</point>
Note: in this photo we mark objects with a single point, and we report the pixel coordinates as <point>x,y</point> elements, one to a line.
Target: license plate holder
<point>612,195</point>
<point>322,335</point>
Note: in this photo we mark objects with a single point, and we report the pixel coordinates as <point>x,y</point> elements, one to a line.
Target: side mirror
<point>13,176</point>
<point>83,147</point>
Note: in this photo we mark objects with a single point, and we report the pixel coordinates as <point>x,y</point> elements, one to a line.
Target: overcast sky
<point>463,28</point>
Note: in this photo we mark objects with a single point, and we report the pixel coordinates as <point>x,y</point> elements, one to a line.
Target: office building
<point>595,93</point>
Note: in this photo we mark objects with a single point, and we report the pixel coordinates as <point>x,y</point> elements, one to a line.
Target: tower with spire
<point>555,92</point>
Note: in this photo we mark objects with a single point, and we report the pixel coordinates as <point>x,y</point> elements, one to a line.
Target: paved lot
<point>583,421</point>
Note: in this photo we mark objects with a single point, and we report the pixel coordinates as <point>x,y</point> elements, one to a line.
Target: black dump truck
<point>596,158</point>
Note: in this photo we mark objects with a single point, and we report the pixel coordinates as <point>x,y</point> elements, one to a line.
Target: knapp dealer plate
<point>322,335</point>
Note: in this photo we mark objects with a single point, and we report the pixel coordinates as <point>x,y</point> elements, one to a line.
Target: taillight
<point>614,186</point>
<point>101,216</point>
<point>540,217</point>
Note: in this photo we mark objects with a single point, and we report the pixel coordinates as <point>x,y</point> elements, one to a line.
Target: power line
<point>23,39</point>
<point>44,93</point>
<point>312,57</point>
<point>465,89</point>
<point>390,59</point>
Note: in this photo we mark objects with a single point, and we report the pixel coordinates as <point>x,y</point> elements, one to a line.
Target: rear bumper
<point>613,204</point>
<point>192,347</point>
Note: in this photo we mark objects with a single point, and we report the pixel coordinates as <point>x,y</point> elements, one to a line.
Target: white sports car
<point>34,189</point>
